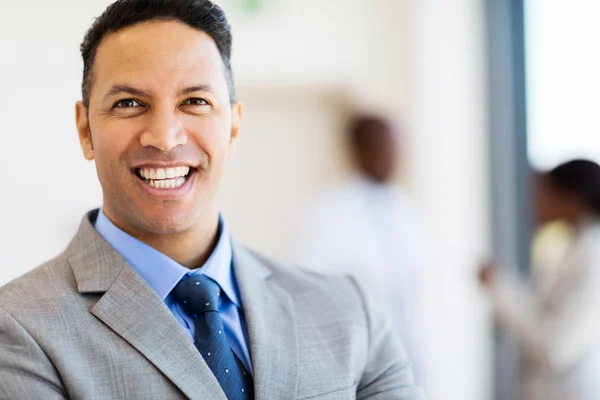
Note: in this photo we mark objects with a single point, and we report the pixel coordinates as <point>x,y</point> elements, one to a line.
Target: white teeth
<point>171,173</point>
<point>163,173</point>
<point>165,178</point>
<point>167,183</point>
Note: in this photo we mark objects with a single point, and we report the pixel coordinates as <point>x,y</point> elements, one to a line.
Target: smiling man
<point>152,299</point>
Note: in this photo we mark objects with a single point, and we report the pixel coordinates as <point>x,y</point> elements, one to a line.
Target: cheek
<point>120,132</point>
<point>212,135</point>
<point>548,208</point>
<point>111,141</point>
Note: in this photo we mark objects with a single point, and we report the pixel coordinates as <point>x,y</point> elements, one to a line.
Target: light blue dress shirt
<point>163,273</point>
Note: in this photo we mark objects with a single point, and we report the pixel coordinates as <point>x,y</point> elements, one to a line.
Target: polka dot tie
<point>199,296</point>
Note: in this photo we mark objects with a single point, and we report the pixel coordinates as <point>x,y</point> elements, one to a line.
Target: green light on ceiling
<point>253,5</point>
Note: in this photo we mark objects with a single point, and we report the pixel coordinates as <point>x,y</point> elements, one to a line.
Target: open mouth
<point>165,178</point>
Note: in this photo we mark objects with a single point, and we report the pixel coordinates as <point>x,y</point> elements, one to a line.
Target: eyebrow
<point>119,89</point>
<point>196,88</point>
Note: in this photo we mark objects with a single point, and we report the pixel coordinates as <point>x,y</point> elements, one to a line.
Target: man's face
<point>160,126</point>
<point>377,153</point>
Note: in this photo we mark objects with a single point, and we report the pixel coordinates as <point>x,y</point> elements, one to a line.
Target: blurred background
<point>478,93</point>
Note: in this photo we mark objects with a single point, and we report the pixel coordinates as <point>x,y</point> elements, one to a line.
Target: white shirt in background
<point>375,233</point>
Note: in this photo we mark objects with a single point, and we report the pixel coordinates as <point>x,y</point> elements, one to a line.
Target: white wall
<point>363,45</point>
<point>450,129</point>
<point>49,185</point>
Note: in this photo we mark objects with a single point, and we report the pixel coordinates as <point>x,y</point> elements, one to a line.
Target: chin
<point>158,217</point>
<point>166,222</point>
<point>169,225</point>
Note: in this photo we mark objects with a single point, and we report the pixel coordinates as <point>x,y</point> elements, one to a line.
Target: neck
<point>373,180</point>
<point>581,220</point>
<point>190,248</point>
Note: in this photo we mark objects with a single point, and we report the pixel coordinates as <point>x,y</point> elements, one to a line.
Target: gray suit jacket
<point>85,325</point>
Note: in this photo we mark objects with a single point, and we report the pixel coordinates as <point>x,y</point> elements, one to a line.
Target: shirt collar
<point>163,273</point>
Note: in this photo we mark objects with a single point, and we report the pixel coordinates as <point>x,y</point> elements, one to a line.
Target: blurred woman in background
<point>556,318</point>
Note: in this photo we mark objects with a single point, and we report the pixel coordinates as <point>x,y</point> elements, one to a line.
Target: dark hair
<point>364,125</point>
<point>200,14</point>
<point>580,178</point>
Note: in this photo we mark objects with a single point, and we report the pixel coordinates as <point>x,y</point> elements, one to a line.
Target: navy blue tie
<point>199,296</point>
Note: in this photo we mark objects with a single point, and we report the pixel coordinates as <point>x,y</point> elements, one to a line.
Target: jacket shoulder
<point>42,287</point>
<point>339,291</point>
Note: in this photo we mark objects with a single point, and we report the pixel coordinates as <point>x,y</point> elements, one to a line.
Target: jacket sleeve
<point>25,370</point>
<point>388,372</point>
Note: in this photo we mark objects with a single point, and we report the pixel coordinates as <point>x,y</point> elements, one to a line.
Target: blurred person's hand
<point>487,274</point>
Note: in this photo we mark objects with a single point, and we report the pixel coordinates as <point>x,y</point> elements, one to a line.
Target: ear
<point>237,111</point>
<point>83,127</point>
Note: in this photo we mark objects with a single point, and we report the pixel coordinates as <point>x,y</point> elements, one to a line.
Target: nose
<point>164,132</point>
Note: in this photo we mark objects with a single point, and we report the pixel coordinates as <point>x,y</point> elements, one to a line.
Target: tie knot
<point>197,294</point>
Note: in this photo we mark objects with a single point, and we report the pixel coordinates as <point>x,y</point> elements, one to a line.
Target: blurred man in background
<point>557,317</point>
<point>369,227</point>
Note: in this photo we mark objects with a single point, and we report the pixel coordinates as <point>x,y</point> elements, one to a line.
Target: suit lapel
<point>132,309</point>
<point>272,328</point>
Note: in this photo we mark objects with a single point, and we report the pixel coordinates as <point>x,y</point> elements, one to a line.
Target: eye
<point>127,103</point>
<point>195,102</point>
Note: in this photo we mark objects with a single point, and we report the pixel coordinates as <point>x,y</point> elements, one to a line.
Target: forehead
<point>158,53</point>
<point>376,133</point>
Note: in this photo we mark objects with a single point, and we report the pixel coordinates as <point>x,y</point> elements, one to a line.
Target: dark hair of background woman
<point>580,178</point>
